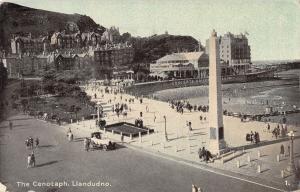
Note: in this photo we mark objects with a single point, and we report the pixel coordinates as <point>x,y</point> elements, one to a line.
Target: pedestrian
<point>190,126</point>
<point>255,137</point>
<point>268,127</point>
<point>251,137</point>
<point>70,136</point>
<point>37,142</point>
<point>122,138</point>
<point>29,161</point>
<point>58,121</point>
<point>32,159</point>
<point>289,150</point>
<point>201,152</point>
<point>85,144</point>
<point>31,142</point>
<point>10,125</point>
<point>281,150</point>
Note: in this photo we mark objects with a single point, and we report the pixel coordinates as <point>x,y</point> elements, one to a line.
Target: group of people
<point>120,109</point>
<point>282,151</point>
<point>277,131</point>
<point>29,142</point>
<point>181,105</point>
<point>253,137</point>
<point>202,118</point>
<point>189,125</point>
<point>138,122</point>
<point>31,160</point>
<point>205,154</point>
<point>70,135</point>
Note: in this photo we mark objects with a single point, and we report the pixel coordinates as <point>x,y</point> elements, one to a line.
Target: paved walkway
<point>184,144</point>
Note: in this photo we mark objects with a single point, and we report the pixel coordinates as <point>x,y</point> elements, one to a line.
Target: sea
<point>281,95</point>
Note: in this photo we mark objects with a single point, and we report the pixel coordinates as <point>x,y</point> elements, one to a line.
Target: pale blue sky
<point>273,25</point>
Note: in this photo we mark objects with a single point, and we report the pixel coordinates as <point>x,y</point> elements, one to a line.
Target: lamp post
<point>292,182</point>
<point>98,111</point>
<point>166,135</point>
<point>291,166</point>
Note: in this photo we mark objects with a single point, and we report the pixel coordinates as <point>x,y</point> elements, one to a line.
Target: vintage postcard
<point>149,95</point>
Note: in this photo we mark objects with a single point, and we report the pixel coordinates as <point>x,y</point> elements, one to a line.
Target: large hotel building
<point>234,51</point>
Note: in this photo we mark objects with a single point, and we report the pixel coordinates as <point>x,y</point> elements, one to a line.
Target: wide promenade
<point>184,144</point>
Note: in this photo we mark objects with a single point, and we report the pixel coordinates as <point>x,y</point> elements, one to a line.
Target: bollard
<point>148,132</point>
<point>282,173</point>
<point>238,164</point>
<point>130,136</point>
<point>249,158</point>
<point>140,136</point>
<point>121,134</point>
<point>258,169</point>
<point>258,153</point>
<point>104,130</point>
<point>77,122</point>
<point>112,131</point>
<point>278,158</point>
<point>71,120</point>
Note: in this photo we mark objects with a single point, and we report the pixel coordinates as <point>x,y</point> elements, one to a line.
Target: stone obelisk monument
<point>216,139</point>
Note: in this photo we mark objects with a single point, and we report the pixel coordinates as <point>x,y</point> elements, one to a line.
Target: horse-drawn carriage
<point>97,142</point>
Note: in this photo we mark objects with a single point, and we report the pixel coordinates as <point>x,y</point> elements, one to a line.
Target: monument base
<point>217,147</point>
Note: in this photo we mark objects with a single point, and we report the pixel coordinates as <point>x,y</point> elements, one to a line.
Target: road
<point>124,169</point>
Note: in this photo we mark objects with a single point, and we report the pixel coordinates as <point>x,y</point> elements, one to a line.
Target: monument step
<point>230,156</point>
<point>224,153</point>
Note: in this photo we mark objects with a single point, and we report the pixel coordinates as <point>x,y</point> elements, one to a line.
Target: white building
<point>182,65</point>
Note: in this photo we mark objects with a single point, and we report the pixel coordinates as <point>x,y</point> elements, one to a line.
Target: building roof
<point>82,55</point>
<point>66,55</point>
<point>29,39</point>
<point>182,56</point>
<point>88,35</point>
